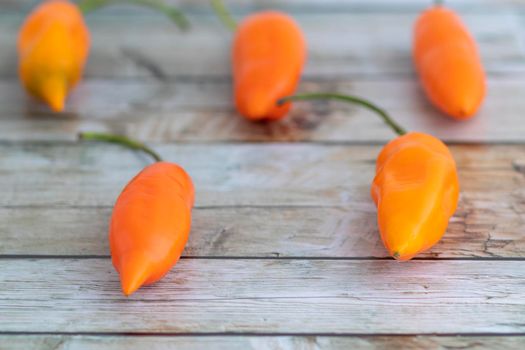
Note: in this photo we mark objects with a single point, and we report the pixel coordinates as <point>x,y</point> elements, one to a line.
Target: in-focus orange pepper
<point>151,219</point>
<point>448,63</point>
<point>53,45</point>
<point>416,191</point>
<point>416,188</point>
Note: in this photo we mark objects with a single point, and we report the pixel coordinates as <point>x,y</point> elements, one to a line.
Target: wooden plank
<point>267,296</point>
<point>123,50</point>
<point>327,6</point>
<point>480,228</point>
<point>203,112</point>
<point>239,174</point>
<point>23,342</point>
<point>62,204</point>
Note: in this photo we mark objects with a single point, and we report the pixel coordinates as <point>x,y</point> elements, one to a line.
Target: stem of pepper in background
<point>348,98</point>
<point>172,12</point>
<point>120,140</point>
<point>224,15</point>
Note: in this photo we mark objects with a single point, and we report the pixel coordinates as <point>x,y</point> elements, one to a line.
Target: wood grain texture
<point>261,296</point>
<point>284,238</point>
<point>121,50</point>
<point>477,230</point>
<point>91,174</point>
<point>202,112</point>
<point>52,342</point>
<point>276,200</point>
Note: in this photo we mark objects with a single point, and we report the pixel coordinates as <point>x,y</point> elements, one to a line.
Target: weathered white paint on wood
<point>92,174</point>
<point>255,200</point>
<point>290,296</point>
<point>53,342</point>
<point>478,229</point>
<point>339,44</point>
<point>203,112</point>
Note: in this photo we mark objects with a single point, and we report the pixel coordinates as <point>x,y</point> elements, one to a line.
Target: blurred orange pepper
<point>151,219</point>
<point>416,188</point>
<point>269,53</point>
<point>448,63</point>
<point>53,45</point>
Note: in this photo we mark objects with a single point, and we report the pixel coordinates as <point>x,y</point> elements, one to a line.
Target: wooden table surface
<point>284,251</point>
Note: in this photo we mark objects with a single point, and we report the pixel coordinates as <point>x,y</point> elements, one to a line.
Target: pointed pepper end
<point>53,92</point>
<point>134,271</point>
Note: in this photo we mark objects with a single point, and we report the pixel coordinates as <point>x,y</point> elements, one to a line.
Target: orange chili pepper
<point>448,63</point>
<point>269,53</point>
<point>415,189</point>
<point>53,45</point>
<point>151,219</point>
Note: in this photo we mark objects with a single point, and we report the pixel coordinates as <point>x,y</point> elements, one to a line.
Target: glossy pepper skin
<point>53,45</point>
<point>416,191</point>
<point>269,53</point>
<point>448,63</point>
<point>150,224</point>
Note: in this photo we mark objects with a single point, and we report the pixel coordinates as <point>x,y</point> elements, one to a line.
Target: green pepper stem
<point>172,12</point>
<point>121,140</point>
<point>438,2</point>
<point>348,98</point>
<point>224,15</point>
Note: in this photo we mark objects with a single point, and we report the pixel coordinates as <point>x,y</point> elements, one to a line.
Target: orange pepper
<point>416,191</point>
<point>150,224</point>
<point>53,45</point>
<point>448,63</point>
<point>416,188</point>
<point>269,53</point>
<point>151,218</point>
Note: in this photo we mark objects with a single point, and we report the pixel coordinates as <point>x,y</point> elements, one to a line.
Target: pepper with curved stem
<point>120,140</point>
<point>347,98</point>
<point>151,219</point>
<point>224,15</point>
<point>415,188</point>
<point>54,42</point>
<point>173,13</point>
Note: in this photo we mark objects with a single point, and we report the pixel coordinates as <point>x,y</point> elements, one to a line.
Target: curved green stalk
<point>173,13</point>
<point>347,98</point>
<point>224,15</point>
<point>438,2</point>
<point>120,140</point>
